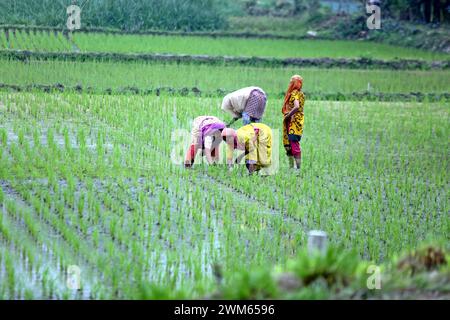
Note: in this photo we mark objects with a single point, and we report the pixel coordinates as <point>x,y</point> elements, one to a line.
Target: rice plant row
<point>118,75</point>
<point>34,41</point>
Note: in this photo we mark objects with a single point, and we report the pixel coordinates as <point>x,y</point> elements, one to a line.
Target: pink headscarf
<point>210,129</point>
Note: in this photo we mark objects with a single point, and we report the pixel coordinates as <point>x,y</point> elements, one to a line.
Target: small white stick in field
<point>317,241</point>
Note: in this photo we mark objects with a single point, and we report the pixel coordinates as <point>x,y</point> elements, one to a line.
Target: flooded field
<point>89,185</point>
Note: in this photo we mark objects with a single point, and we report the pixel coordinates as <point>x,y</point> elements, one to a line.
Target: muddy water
<point>166,262</point>
<point>59,138</point>
<point>160,261</point>
<point>47,268</point>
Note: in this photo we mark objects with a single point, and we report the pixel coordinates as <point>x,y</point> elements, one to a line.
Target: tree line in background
<point>186,15</point>
<point>282,8</point>
<point>427,11</point>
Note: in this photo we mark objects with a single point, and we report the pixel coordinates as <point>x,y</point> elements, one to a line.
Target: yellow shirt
<point>256,140</point>
<point>298,119</point>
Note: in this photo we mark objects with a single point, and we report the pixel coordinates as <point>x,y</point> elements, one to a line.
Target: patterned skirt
<point>256,104</point>
<point>293,129</point>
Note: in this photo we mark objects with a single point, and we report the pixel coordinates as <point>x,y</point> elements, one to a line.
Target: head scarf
<point>296,83</point>
<point>210,129</point>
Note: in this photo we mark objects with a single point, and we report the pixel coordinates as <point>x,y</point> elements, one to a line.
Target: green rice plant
<point>3,136</point>
<point>3,41</point>
<point>35,41</point>
<point>63,43</point>
<point>21,41</point>
<point>11,275</point>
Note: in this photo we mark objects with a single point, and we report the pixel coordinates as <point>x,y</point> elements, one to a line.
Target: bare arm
<point>230,149</point>
<point>294,110</point>
<point>232,121</point>
<point>240,157</point>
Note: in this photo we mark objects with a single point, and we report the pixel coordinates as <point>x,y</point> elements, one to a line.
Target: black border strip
<point>165,309</point>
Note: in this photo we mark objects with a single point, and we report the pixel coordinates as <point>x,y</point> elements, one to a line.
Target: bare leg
<point>298,162</point>
<point>291,162</point>
<point>216,158</point>
<point>215,155</point>
<point>297,154</point>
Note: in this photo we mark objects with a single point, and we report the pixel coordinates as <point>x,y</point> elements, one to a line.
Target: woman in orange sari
<point>293,121</point>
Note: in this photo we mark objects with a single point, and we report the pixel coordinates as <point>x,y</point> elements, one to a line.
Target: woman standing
<point>206,135</point>
<point>293,120</point>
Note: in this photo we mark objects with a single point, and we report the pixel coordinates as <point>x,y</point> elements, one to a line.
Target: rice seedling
<point>117,76</point>
<point>34,41</point>
<point>3,40</point>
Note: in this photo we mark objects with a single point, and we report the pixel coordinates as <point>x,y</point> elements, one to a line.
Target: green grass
<point>94,174</point>
<point>284,26</point>
<point>114,75</point>
<point>247,47</point>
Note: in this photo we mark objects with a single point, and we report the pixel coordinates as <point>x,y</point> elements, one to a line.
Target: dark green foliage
<point>340,274</point>
<point>283,8</point>
<point>251,284</point>
<point>335,267</point>
<point>419,10</point>
<point>149,291</point>
<point>184,15</point>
